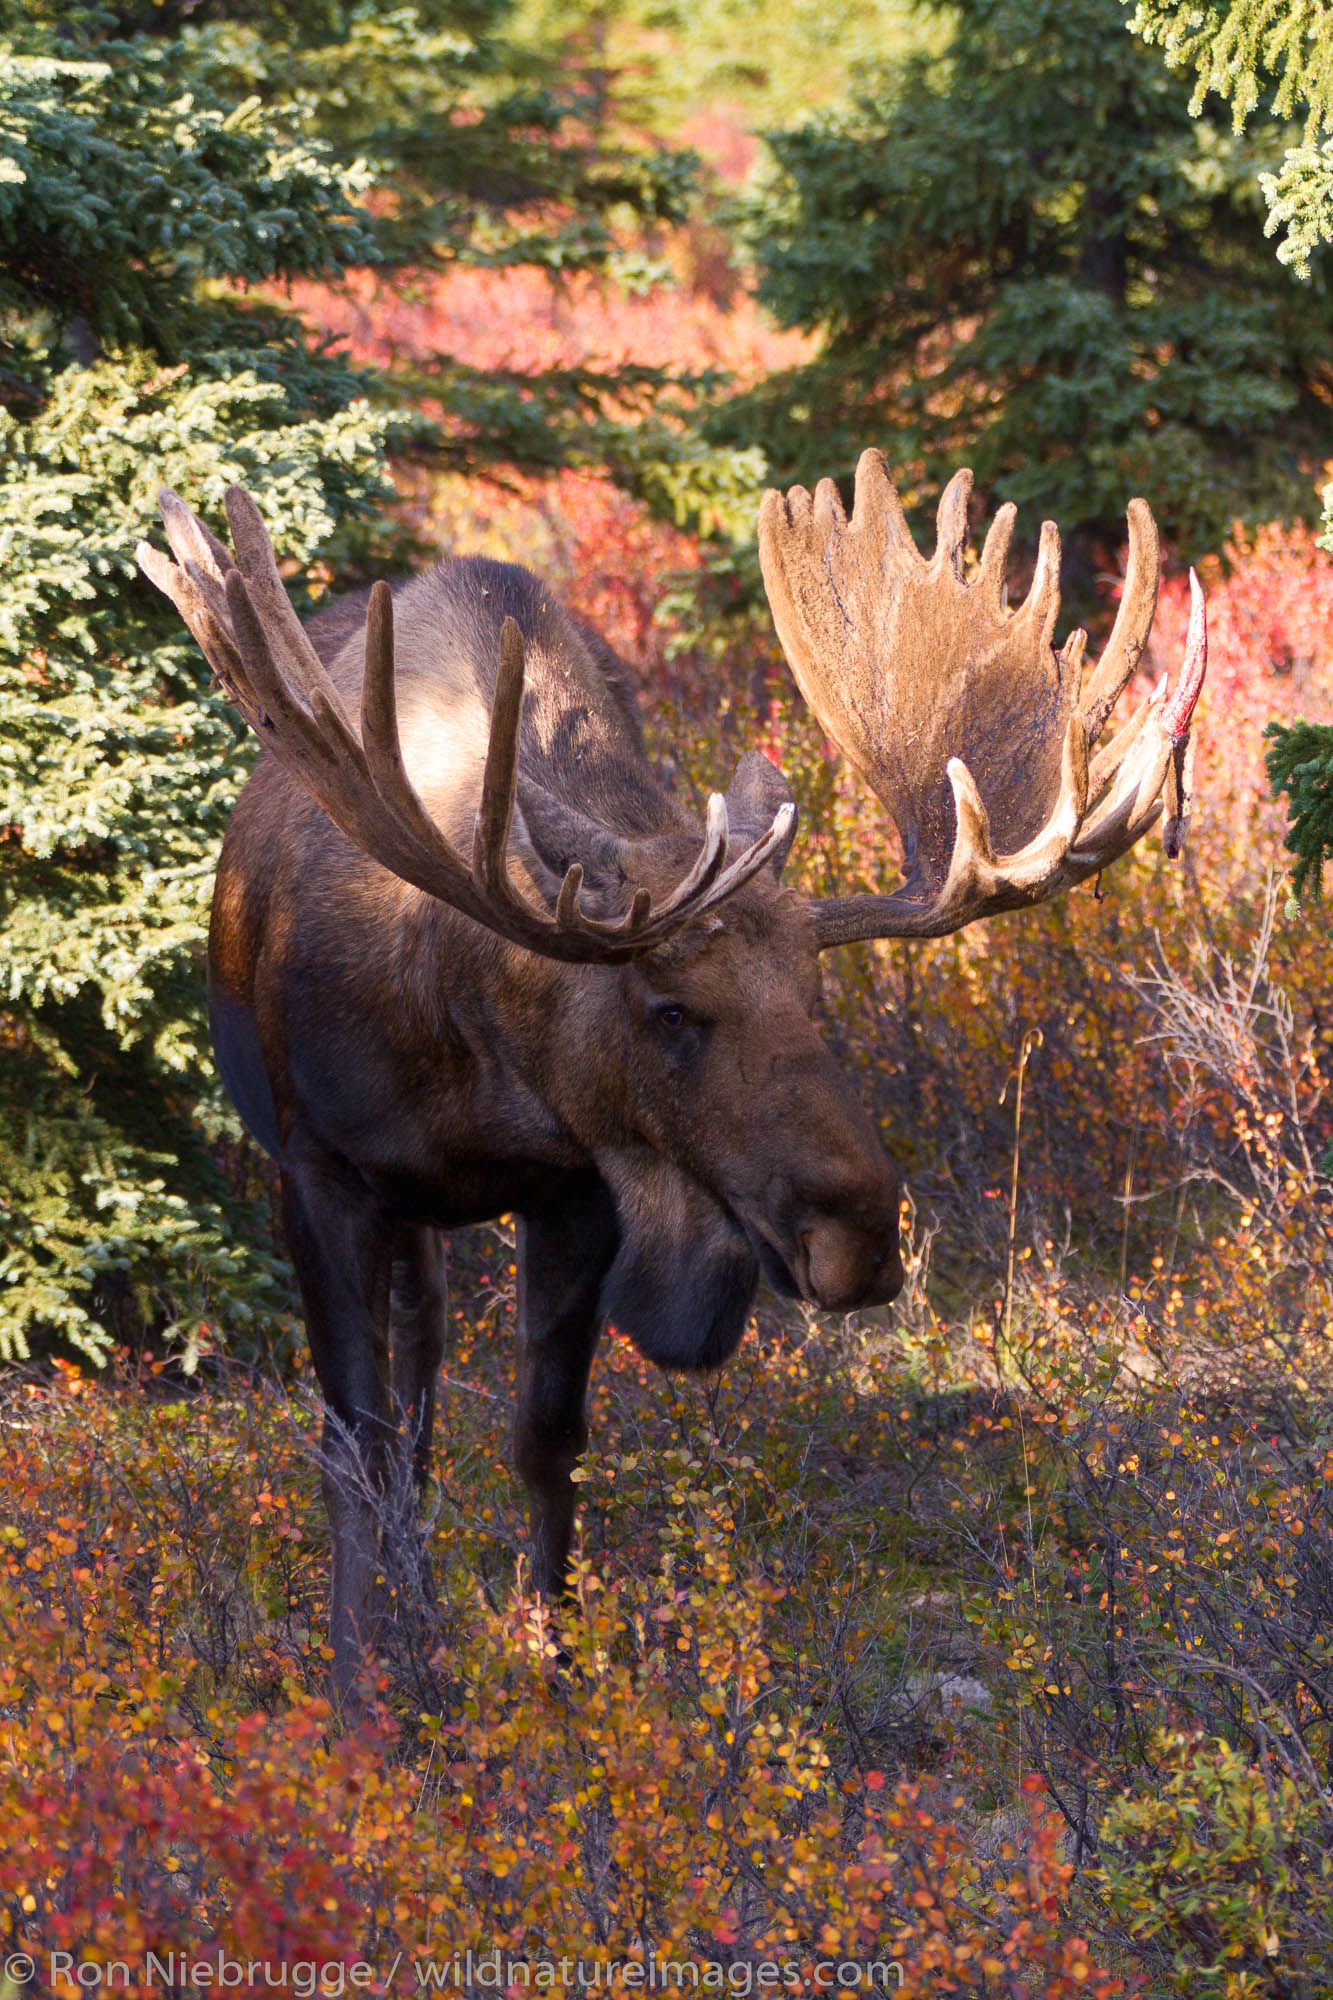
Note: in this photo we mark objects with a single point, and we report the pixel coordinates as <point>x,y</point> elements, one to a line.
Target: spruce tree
<point>157,164</point>
<point>1275,58</point>
<point>1026,255</point>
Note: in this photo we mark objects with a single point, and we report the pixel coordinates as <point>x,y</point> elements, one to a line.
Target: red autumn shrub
<point>523,318</point>
<point>665,1794</point>
<point>1270,658</point>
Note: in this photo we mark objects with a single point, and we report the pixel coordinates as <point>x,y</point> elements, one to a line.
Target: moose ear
<point>551,836</point>
<point>756,793</point>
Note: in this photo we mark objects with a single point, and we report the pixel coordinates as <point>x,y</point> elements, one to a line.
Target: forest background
<point>997,1644</point>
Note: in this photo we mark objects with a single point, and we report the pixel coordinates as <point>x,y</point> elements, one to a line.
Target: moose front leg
<point>419,1316</point>
<point>418,1324</point>
<point>564,1253</point>
<point>341,1247</point>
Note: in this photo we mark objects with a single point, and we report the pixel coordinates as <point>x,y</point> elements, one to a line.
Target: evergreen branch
<point>1300,201</point>
<point>1240,48</point>
<point>1300,763</point>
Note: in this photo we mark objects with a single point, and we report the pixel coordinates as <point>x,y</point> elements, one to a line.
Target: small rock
<point>955,1694</point>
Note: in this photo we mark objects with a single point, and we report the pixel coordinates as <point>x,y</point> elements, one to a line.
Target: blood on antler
<point>975,732</point>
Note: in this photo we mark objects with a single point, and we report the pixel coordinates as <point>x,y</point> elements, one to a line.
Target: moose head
<point>469,957</point>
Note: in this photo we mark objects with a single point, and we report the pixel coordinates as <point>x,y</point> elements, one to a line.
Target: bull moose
<point>470,957</point>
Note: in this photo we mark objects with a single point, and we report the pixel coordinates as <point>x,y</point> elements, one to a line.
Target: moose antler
<point>968,724</point>
<point>239,612</point>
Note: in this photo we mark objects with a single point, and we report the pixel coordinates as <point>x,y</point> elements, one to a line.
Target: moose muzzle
<point>840,1265</point>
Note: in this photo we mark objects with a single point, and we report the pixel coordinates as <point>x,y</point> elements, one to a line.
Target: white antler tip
<point>963,783</point>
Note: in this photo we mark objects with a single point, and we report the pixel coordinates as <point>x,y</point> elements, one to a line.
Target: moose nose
<point>842,1267</point>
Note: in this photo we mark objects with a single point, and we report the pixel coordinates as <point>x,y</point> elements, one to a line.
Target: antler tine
<point>1180,708</point>
<point>877,513</point>
<point>766,850</point>
<point>712,858</point>
<point>1150,763</point>
<point>379,700</point>
<point>1072,802</point>
<point>190,540</point>
<point>1176,720</point>
<point>972,850</point>
<point>976,874</point>
<point>209,630</point>
<point>827,516</point>
<point>268,594</point>
<point>951,521</point>
<point>1133,622</point>
<point>239,612</point>
<point>972,729</point>
<point>1071,654</point>
<point>1130,807</point>
<point>434,864</point>
<point>1041,607</point>
<point>280,713</point>
<point>490,840</point>
<point>708,882</point>
<point>979,882</point>
<point>496,812</point>
<point>995,552</point>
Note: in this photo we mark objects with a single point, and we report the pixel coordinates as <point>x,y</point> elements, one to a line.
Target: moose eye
<point>672,1018</point>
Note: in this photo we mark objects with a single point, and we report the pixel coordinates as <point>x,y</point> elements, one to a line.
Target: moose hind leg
<point>564,1253</point>
<point>340,1246</point>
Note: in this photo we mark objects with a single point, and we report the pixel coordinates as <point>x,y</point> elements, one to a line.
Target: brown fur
<point>412,1071</point>
<point>655,1107</point>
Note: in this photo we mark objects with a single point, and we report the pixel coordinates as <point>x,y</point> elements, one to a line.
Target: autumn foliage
<point>171,1779</point>
<point>1043,1477</point>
